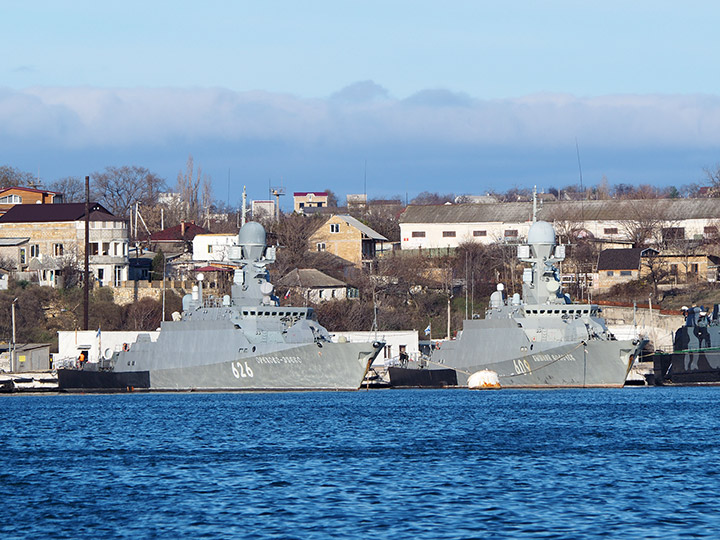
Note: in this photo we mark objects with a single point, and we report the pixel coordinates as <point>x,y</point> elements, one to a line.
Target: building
<point>209,247</point>
<point>309,199</point>
<point>313,285</point>
<point>48,238</point>
<point>177,239</point>
<point>616,266</point>
<point>263,210</point>
<point>11,196</point>
<point>664,220</point>
<point>347,238</point>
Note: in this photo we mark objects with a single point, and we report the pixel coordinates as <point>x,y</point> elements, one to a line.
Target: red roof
<point>304,193</point>
<point>28,189</point>
<point>175,234</point>
<point>47,213</point>
<point>213,269</point>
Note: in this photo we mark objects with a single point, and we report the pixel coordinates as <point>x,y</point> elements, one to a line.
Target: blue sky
<point>402,96</point>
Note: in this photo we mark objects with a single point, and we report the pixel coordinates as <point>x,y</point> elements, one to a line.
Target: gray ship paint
<point>540,339</point>
<point>243,341</point>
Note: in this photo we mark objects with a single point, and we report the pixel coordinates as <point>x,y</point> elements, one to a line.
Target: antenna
<point>277,192</point>
<point>582,213</point>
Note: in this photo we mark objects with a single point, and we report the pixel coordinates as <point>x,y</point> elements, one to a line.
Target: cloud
<point>362,114</point>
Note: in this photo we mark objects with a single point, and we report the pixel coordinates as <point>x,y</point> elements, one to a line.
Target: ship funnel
<point>252,240</point>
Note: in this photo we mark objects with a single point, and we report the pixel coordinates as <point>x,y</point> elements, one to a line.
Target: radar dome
<point>252,233</point>
<point>541,232</point>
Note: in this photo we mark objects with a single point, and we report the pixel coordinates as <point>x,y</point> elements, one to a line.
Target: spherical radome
<point>541,232</point>
<point>252,233</point>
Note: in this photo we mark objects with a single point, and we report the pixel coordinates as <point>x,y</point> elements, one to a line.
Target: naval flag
<point>427,330</point>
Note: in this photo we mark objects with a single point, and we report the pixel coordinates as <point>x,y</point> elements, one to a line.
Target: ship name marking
<point>278,360</point>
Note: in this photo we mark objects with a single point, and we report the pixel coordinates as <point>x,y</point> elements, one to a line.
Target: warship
<point>696,350</point>
<point>242,341</point>
<point>540,340</point>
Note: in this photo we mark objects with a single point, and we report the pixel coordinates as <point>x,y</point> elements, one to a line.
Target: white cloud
<point>360,114</point>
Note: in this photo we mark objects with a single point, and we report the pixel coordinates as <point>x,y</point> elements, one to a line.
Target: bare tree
<point>72,188</point>
<point>118,188</point>
<point>645,221</point>
<point>10,176</point>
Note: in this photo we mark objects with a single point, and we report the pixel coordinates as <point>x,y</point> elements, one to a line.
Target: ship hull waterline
<point>309,367</point>
<point>597,364</point>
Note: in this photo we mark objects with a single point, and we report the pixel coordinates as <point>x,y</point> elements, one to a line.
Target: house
<point>313,285</point>
<point>346,237</point>
<point>177,239</point>
<point>617,266</point>
<point>11,196</point>
<point>209,247</point>
<point>263,209</point>
<point>309,199</point>
<point>664,220</point>
<point>44,238</point>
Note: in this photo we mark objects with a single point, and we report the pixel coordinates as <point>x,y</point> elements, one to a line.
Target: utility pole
<point>86,300</point>
<point>14,346</point>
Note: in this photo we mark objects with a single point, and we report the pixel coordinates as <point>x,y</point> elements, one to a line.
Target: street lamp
<point>12,354</point>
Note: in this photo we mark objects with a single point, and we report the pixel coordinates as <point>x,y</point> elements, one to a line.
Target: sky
<point>391,98</point>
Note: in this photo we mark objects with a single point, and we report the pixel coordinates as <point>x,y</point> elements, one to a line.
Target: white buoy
<point>484,379</point>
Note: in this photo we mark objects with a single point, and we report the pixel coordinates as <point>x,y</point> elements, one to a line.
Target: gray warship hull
<point>242,341</point>
<point>520,362</point>
<point>216,357</point>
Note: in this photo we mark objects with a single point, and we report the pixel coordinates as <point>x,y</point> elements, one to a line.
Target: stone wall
<point>132,291</point>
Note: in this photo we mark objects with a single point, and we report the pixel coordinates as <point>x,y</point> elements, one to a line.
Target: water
<point>425,464</point>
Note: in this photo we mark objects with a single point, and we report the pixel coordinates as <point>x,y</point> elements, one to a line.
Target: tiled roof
<point>175,234</point>
<point>619,259</point>
<point>309,278</point>
<point>33,190</point>
<point>608,210</point>
<point>46,213</point>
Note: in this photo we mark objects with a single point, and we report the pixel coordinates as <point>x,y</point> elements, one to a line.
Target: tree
<point>71,187</point>
<point>433,198</point>
<point>332,201</point>
<point>10,176</point>
<point>119,188</point>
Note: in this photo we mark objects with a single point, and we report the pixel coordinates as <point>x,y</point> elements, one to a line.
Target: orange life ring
<point>126,347</point>
<point>437,345</point>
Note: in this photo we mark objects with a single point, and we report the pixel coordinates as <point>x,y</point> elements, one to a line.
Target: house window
<point>23,256</point>
<point>35,250</point>
<point>610,273</point>
<point>11,199</point>
<point>611,230</point>
<point>106,248</point>
<point>673,233</point>
<point>710,231</point>
<point>674,269</point>
<point>448,234</point>
<point>321,246</point>
<point>93,249</point>
<point>479,233</point>
<point>57,250</point>
<point>320,293</point>
<point>625,272</point>
<point>334,227</point>
<point>418,234</point>
<point>210,249</point>
<point>511,233</point>
<point>693,268</point>
<point>302,205</point>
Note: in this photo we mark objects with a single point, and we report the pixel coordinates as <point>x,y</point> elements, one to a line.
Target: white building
<point>212,247</point>
<point>448,226</point>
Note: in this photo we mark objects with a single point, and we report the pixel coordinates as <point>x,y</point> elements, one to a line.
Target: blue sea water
<point>395,464</point>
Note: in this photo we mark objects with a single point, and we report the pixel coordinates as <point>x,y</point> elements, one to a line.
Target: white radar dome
<point>252,233</point>
<point>541,232</point>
